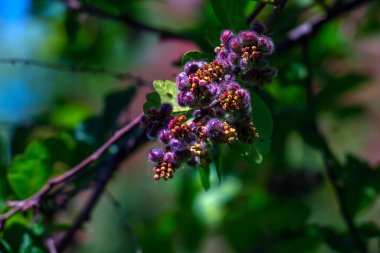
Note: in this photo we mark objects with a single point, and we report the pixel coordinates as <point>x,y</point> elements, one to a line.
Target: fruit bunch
<point>220,105</point>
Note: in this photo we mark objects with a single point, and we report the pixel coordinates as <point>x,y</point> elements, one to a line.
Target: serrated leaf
<point>195,55</point>
<point>204,174</point>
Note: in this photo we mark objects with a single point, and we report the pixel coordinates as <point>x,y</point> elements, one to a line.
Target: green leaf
<point>152,101</point>
<point>217,160</point>
<point>272,2</point>
<point>69,115</point>
<point>230,13</point>
<point>204,174</point>
<point>27,175</point>
<point>166,92</point>
<point>28,246</point>
<point>195,55</point>
<point>263,122</point>
<point>247,151</point>
<point>5,247</point>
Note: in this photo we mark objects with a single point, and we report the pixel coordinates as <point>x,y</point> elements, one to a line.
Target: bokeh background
<point>285,204</point>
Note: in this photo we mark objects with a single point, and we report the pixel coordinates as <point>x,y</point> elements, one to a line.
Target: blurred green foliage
<point>270,197</point>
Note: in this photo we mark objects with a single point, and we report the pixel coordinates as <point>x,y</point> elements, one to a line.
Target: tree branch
<point>36,199</point>
<point>330,161</point>
<point>258,8</point>
<point>312,26</point>
<point>123,19</point>
<point>279,5</point>
<point>77,69</point>
<point>108,169</point>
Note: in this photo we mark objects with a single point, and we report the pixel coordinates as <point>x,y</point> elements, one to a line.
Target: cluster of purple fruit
<point>221,107</point>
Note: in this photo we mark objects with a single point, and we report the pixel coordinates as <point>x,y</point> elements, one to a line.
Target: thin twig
<point>74,69</point>
<point>123,19</point>
<point>106,174</point>
<point>279,5</point>
<point>35,200</point>
<point>330,161</point>
<point>312,26</point>
<point>258,8</point>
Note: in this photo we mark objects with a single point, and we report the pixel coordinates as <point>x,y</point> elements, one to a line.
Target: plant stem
<point>35,200</point>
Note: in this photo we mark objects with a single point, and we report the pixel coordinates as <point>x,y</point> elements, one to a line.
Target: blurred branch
<point>124,19</point>
<point>279,5</point>
<point>108,169</point>
<point>74,69</point>
<point>330,161</point>
<point>36,199</point>
<point>258,8</point>
<point>311,27</point>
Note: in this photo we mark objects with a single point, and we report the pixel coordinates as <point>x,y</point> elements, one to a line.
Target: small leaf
<point>27,175</point>
<point>166,92</point>
<point>204,173</point>
<point>152,101</point>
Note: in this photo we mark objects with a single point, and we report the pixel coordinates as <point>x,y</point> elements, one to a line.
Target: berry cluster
<point>221,107</point>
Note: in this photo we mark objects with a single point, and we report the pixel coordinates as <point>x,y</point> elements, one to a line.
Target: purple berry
<point>186,99</point>
<point>245,64</point>
<point>164,135</point>
<point>212,90</point>
<point>222,54</point>
<point>248,38</point>
<point>192,67</point>
<point>235,44</point>
<point>265,44</point>
<point>156,155</point>
<point>213,128</point>
<point>258,27</point>
<point>182,82</point>
<point>177,144</point>
<point>170,157</point>
<point>246,101</point>
<point>226,36</point>
<point>166,109</point>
